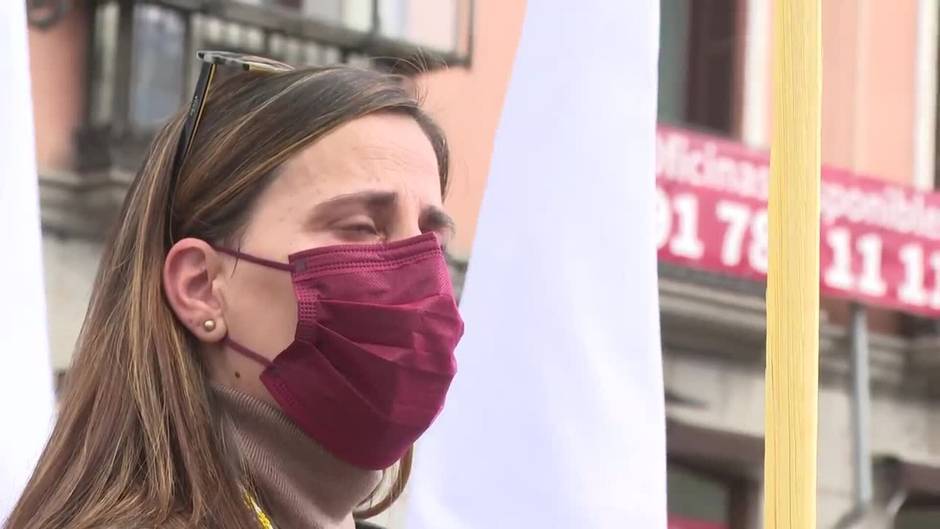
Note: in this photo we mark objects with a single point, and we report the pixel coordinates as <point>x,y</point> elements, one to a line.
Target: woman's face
<point>374,179</point>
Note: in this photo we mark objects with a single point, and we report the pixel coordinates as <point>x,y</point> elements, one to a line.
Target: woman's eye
<point>361,229</point>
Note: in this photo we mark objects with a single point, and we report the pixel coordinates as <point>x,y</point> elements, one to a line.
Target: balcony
<point>143,66</point>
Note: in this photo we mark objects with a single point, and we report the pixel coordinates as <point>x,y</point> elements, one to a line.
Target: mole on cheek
<point>238,375</point>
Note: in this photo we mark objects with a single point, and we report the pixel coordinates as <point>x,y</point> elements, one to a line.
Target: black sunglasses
<point>211,61</point>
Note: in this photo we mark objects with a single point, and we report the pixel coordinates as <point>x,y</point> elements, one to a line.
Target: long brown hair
<point>137,442</point>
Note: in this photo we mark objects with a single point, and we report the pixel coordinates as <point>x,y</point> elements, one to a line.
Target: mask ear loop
<point>246,352</point>
<point>277,265</point>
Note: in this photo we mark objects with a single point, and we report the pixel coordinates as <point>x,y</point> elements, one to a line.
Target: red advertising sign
<point>685,523</point>
<point>880,243</point>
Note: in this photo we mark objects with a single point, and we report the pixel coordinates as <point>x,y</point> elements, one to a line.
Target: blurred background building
<point>879,120</point>
<point>106,73</point>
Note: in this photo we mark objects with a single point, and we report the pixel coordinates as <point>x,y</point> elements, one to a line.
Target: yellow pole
<point>793,274</point>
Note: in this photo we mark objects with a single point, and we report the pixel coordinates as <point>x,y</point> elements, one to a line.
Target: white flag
<point>26,399</point>
<point>556,417</point>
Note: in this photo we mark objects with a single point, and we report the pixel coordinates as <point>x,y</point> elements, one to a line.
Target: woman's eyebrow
<point>371,200</point>
<point>435,218</point>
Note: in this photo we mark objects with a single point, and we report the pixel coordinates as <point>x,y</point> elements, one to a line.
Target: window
<point>699,64</point>
<point>431,23</point>
<point>918,517</point>
<point>355,14</point>
<point>713,477</point>
<point>936,111</point>
<point>696,501</point>
<point>156,79</point>
<point>918,484</point>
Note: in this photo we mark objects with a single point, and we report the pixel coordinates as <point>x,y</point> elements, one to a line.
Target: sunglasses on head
<point>211,62</point>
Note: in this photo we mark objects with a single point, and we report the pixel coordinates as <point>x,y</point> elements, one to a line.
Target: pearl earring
<point>208,325</point>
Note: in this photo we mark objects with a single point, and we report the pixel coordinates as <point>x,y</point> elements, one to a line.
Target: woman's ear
<point>191,272</point>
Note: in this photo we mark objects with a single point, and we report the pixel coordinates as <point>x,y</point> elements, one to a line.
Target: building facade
<point>879,126</point>
<point>106,72</point>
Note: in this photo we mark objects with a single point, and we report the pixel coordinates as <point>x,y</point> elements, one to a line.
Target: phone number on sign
<point>706,229</point>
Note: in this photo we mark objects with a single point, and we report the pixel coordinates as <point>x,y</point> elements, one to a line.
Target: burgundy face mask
<point>373,353</point>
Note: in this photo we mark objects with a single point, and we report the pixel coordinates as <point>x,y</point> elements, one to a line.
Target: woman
<point>272,325</point>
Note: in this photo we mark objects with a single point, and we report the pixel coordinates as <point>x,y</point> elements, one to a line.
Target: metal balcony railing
<point>142,52</point>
